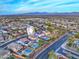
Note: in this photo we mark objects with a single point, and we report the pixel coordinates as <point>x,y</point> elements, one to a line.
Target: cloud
<point>26,6</point>
<point>68,3</point>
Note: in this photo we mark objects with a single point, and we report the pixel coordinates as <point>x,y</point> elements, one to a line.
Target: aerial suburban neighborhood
<point>39,37</point>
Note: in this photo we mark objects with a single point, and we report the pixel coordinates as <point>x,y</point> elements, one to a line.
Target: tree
<point>78,49</point>
<point>69,44</point>
<point>77,35</point>
<point>70,41</point>
<point>52,55</point>
<point>49,28</point>
<point>11,57</point>
<point>48,23</point>
<point>41,42</point>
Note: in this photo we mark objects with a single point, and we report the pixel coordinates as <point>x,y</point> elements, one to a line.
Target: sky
<point>8,7</point>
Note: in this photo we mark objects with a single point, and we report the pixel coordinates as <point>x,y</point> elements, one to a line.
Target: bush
<point>69,44</point>
<point>41,42</point>
<point>77,35</point>
<point>11,57</point>
<point>78,49</point>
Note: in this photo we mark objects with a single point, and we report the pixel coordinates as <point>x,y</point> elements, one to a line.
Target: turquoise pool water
<point>27,52</point>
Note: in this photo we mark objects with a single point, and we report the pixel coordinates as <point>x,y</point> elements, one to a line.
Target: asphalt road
<point>53,47</point>
<point>7,43</point>
<point>67,53</point>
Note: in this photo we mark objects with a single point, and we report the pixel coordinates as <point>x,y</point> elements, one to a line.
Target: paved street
<point>66,53</point>
<point>5,44</point>
<point>54,47</point>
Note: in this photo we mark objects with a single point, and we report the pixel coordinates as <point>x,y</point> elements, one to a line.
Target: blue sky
<point>28,6</point>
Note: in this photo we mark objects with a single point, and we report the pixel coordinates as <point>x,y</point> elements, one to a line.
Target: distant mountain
<point>37,13</point>
<point>46,13</point>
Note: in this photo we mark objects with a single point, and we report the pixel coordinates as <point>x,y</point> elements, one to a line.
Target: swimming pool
<point>35,45</point>
<point>27,51</point>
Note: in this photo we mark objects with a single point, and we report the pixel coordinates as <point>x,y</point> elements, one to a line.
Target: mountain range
<point>46,13</point>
